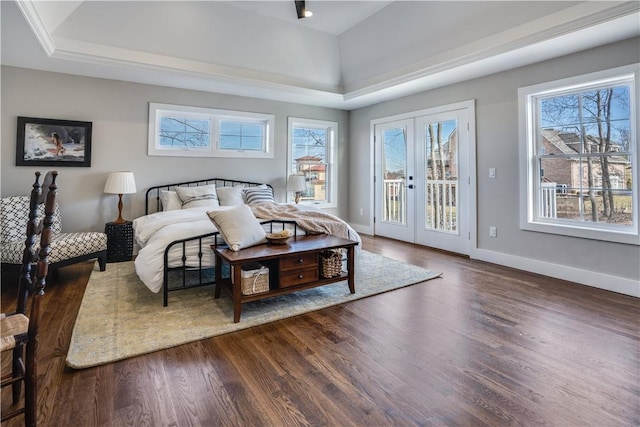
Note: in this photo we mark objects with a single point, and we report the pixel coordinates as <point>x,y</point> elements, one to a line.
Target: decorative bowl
<point>277,239</point>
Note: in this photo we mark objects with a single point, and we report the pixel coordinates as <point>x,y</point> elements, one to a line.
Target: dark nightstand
<point>119,241</point>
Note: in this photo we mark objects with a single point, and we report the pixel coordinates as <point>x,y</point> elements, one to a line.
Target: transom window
<point>312,145</point>
<point>239,135</point>
<point>176,130</point>
<point>580,156</point>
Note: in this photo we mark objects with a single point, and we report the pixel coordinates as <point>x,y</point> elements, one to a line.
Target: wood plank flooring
<point>482,346</point>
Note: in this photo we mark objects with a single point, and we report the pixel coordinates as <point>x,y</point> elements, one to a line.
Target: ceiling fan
<point>302,10</point>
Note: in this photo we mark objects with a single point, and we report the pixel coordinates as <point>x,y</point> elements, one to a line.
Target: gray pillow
<point>239,228</point>
<point>231,196</point>
<point>258,194</point>
<point>170,200</point>
<point>192,197</point>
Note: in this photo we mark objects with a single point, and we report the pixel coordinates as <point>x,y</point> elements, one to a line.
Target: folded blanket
<point>146,226</point>
<point>311,221</point>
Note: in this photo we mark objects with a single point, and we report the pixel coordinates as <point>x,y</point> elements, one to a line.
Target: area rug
<point>120,317</point>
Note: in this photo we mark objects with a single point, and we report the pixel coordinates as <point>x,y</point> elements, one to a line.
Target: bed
<point>175,234</point>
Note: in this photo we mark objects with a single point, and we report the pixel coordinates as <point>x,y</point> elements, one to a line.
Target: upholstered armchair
<point>66,248</point>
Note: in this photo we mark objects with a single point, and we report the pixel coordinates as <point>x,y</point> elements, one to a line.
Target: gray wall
<point>497,146</point>
<point>119,112</point>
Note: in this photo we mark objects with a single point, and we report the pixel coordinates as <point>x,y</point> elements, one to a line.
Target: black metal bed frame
<point>154,193</point>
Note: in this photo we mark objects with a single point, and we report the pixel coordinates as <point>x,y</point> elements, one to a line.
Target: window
<point>238,135</point>
<point>176,130</point>
<point>579,149</point>
<point>312,147</point>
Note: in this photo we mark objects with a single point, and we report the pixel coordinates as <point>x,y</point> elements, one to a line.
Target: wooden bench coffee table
<point>292,267</point>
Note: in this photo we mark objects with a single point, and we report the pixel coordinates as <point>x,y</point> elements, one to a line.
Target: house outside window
<point>312,145</point>
<point>579,156</point>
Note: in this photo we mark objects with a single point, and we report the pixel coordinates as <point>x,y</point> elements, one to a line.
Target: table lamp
<point>298,184</point>
<point>120,183</point>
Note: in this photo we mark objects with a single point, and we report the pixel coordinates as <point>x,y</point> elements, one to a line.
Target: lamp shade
<point>120,183</point>
<point>296,183</point>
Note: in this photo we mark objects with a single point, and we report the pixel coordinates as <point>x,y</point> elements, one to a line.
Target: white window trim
<point>157,111</point>
<point>331,190</point>
<point>528,168</point>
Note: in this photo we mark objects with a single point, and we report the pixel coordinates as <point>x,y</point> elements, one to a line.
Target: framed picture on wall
<point>53,142</point>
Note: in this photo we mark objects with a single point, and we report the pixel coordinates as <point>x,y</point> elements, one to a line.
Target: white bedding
<point>154,232</point>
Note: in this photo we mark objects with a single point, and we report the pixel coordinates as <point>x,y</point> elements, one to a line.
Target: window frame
<point>528,97</point>
<point>159,111</point>
<point>331,176</point>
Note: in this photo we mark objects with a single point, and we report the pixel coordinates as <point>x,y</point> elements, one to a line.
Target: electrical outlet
<point>493,231</point>
<point>361,211</point>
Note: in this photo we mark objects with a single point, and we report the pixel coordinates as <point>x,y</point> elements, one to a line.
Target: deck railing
<point>548,207</point>
<point>440,206</point>
<point>394,205</point>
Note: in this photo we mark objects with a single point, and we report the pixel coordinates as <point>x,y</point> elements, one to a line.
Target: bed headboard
<point>152,197</point>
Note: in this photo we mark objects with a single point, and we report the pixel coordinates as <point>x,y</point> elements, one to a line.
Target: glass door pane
<point>394,166</point>
<point>441,176</point>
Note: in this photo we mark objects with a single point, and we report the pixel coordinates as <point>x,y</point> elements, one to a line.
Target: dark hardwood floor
<point>482,346</point>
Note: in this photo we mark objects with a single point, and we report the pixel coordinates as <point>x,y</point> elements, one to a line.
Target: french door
<point>394,193</point>
<point>422,179</point>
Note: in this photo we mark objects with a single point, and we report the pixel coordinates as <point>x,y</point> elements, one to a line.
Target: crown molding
<point>576,28</point>
<point>81,51</point>
<point>31,15</point>
<point>561,24</point>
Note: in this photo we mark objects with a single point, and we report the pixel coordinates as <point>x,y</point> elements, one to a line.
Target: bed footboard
<point>192,276</point>
<point>184,269</point>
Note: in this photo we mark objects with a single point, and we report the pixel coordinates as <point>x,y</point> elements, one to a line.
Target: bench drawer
<point>299,261</point>
<point>298,277</point>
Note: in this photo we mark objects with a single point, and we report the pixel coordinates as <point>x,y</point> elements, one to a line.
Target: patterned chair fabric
<point>66,248</point>
<point>14,212</point>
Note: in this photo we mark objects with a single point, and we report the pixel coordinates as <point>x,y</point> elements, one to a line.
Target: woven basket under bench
<point>331,263</point>
<point>254,278</point>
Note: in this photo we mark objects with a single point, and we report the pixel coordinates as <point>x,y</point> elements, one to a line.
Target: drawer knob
<point>300,276</point>
<point>301,260</point>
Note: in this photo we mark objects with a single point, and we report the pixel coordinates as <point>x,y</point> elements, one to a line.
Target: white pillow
<point>239,228</point>
<point>258,194</point>
<point>192,197</point>
<point>170,200</point>
<point>230,196</point>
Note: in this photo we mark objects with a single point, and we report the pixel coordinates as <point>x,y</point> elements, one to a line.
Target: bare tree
<point>591,192</point>
<point>188,135</point>
<point>600,110</point>
<point>438,172</point>
<point>395,153</point>
<point>578,113</point>
<point>318,141</point>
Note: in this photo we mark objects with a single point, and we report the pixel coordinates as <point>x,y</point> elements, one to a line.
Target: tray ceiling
<point>348,55</point>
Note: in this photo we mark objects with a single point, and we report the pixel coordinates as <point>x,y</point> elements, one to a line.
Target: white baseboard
<point>590,278</point>
<point>584,277</point>
<point>362,229</point>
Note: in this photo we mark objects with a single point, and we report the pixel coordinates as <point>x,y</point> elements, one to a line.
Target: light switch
<point>492,172</point>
